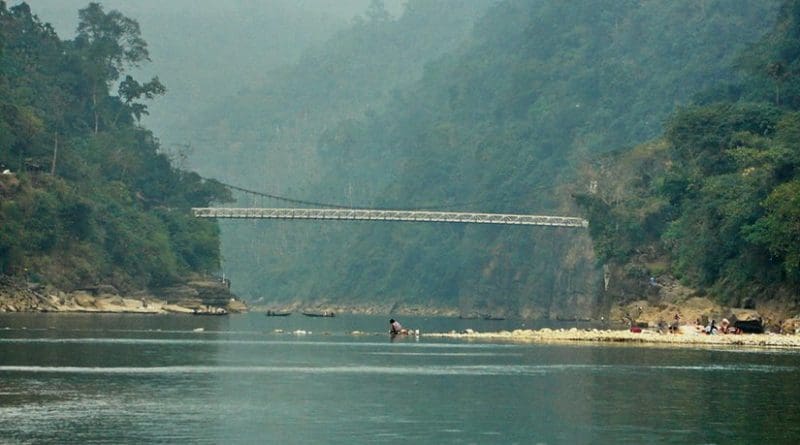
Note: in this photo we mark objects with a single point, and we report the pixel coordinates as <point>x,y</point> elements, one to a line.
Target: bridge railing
<point>388,215</point>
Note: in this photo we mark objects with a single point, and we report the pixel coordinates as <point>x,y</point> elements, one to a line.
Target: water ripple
<point>468,370</point>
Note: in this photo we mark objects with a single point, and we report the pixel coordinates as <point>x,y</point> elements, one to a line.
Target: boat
<point>749,326</point>
<point>319,314</point>
<point>277,314</point>
<point>493,318</point>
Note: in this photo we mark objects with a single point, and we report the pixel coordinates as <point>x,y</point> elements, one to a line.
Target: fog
<point>206,50</point>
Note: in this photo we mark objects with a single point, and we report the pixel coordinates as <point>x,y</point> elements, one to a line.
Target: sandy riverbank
<point>688,337</point>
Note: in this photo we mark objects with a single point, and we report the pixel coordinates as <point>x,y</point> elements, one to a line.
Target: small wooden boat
<point>319,314</point>
<point>277,314</point>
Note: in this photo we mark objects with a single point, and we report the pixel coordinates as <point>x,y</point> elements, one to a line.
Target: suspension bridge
<point>324,211</point>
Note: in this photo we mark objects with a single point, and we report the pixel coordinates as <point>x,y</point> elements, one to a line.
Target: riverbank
<point>775,316</point>
<point>687,337</point>
<point>197,295</point>
<point>416,310</point>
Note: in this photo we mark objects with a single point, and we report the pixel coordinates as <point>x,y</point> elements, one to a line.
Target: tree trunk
<point>55,155</point>
<point>94,105</point>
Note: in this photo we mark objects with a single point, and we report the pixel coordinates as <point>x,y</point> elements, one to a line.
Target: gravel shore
<point>687,337</point>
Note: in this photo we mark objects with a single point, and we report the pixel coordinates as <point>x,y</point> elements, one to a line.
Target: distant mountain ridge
<point>502,120</point>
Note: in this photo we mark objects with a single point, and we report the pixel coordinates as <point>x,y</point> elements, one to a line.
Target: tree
<point>108,44</point>
<point>130,90</point>
<point>778,73</point>
<point>779,229</point>
<point>376,12</point>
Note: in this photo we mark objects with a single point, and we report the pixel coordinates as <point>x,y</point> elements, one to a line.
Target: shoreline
<point>199,295</point>
<point>686,338</point>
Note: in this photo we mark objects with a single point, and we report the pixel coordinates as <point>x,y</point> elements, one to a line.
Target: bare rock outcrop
<point>198,294</point>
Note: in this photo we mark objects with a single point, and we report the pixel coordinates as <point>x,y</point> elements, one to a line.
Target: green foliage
<point>731,178</point>
<point>500,119</point>
<point>701,136</point>
<point>773,65</point>
<point>779,229</point>
<point>115,210</point>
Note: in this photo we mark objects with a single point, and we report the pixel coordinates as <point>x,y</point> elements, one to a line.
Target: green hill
<point>714,200</point>
<point>87,197</point>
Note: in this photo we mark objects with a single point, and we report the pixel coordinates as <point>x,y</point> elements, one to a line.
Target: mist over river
<point>82,378</point>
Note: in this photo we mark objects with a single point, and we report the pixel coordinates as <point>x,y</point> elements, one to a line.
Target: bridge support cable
<point>388,215</point>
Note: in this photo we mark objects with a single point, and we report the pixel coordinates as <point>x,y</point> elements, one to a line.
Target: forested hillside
<point>87,198</point>
<point>502,121</point>
<point>715,200</point>
<point>267,137</point>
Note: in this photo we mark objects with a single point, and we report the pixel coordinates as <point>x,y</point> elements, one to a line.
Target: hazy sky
<point>206,50</point>
<point>63,13</point>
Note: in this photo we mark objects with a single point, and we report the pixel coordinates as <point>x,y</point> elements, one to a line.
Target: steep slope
<point>501,124</point>
<point>266,137</point>
<point>713,202</point>
<point>87,198</point>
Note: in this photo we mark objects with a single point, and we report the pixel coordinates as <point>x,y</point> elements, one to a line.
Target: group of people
<point>709,328</point>
<point>725,327</point>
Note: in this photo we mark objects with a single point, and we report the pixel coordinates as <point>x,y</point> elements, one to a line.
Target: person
<point>675,327</point>
<point>396,328</point>
<point>727,328</point>
<point>711,328</point>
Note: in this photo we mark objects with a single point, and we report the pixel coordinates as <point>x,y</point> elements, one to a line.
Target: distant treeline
<point>85,195</point>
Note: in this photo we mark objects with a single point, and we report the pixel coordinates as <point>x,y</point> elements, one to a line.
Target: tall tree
<point>130,90</point>
<point>109,44</point>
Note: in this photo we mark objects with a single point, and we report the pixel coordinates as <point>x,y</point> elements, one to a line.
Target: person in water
<point>396,328</point>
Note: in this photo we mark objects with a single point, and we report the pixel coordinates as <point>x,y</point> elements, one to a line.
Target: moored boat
<point>749,326</point>
<point>319,314</point>
<point>277,314</point>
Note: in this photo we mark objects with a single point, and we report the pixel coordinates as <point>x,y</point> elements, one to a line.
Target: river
<point>90,378</point>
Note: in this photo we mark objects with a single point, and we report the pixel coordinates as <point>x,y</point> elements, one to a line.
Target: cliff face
<point>579,278</point>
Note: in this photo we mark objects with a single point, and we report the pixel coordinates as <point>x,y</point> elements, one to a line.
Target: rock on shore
<point>197,295</point>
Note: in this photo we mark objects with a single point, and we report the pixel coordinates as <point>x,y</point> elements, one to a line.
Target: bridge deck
<point>388,215</point>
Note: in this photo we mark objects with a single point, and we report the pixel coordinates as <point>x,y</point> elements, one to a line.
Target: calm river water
<point>77,378</point>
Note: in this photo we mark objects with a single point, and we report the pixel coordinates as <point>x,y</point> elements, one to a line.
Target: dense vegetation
<point>506,106</point>
<point>88,198</point>
<point>267,137</point>
<point>716,200</point>
<point>501,121</point>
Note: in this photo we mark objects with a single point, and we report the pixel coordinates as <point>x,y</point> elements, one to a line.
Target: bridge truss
<point>388,215</point>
